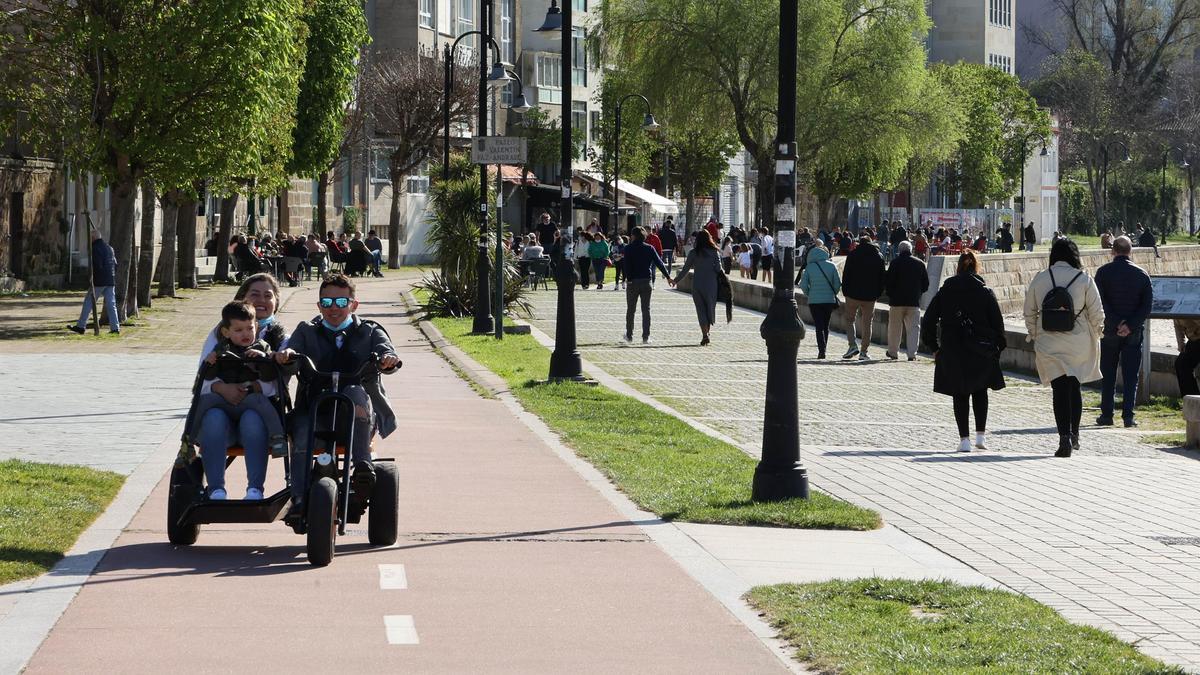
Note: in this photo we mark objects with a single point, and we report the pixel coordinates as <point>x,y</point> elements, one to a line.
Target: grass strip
<point>661,463</point>
<point>43,510</point>
<point>1162,413</point>
<point>897,626</point>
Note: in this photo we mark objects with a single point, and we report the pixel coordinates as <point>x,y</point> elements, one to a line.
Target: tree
<point>1002,125</point>
<point>701,157</point>
<point>172,92</point>
<point>404,94</point>
<point>325,110</point>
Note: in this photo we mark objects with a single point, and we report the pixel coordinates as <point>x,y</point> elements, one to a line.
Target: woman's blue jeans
<point>217,433</point>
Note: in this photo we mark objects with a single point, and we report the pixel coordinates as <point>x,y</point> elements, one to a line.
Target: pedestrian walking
<point>598,251</point>
<point>639,262</point>
<point>1064,318</point>
<point>863,281</point>
<point>1127,295</point>
<point>1004,240</point>
<point>670,242</point>
<point>616,247</point>
<point>907,281</point>
<point>104,285</point>
<point>1029,237</point>
<point>705,260</point>
<point>745,261</point>
<point>768,255</point>
<point>756,252</point>
<point>546,229</point>
<point>583,256</point>
<point>1187,337</point>
<point>964,329</point>
<point>820,283</point>
<point>727,255</point>
<point>655,242</point>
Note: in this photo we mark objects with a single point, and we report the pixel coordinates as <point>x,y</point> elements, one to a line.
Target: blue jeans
<point>1127,353</point>
<point>377,258</point>
<point>109,293</point>
<point>217,433</point>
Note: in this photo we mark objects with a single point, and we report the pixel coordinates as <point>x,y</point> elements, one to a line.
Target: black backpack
<point>1058,309</point>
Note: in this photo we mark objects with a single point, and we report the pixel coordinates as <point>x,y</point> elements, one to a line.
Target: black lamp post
<point>648,124</point>
<point>498,77</point>
<point>565,363</point>
<point>1104,151</point>
<point>521,105</point>
<point>779,474</point>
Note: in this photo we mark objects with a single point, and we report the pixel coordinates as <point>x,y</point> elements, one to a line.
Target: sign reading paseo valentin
<point>498,150</point>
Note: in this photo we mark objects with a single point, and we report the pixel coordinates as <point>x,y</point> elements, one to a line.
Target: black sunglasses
<point>342,303</point>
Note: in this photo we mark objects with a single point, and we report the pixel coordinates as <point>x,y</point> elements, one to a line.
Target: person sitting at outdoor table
<point>532,250</point>
<point>981,243</point>
<point>248,260</point>
<point>295,248</point>
<point>358,260</point>
<point>313,245</point>
<point>336,250</point>
<point>375,246</point>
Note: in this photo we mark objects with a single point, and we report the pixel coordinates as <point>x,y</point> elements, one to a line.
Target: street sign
<point>498,150</point>
<point>1175,297</point>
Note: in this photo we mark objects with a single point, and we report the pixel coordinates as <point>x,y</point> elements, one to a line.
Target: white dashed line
<point>392,577</point>
<point>401,630</point>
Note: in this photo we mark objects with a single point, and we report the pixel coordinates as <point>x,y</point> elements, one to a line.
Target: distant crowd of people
<point>286,255</point>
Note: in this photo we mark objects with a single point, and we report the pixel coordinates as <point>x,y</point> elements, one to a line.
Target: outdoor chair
<point>539,272</point>
<point>315,259</point>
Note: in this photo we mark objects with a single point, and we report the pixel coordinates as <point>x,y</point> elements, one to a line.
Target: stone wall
<point>44,231</point>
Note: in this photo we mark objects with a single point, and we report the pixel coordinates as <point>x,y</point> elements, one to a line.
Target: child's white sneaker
<point>254,493</point>
<point>964,445</point>
<point>217,495</point>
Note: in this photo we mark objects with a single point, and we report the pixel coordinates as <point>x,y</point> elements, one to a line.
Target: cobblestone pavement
<point>1109,537</point>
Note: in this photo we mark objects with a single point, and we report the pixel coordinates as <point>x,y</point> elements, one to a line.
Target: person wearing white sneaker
<point>964,329</point>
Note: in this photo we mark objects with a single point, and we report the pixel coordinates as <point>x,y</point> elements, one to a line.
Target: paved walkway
<point>1108,537</point>
<point>508,561</point>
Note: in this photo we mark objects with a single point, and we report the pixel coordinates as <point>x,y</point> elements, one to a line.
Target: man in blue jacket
<point>104,278</point>
<point>640,261</point>
<point>1127,294</point>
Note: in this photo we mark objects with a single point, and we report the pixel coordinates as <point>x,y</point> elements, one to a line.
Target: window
<point>579,5</point>
<point>347,196</point>
<point>1000,13</point>
<point>425,13</point>
<point>508,32</point>
<point>579,116</point>
<point>418,185</point>
<point>1000,62</point>
<point>596,130</point>
<point>380,163</point>
<point>549,78</point>
<point>466,16</point>
<point>578,57</point>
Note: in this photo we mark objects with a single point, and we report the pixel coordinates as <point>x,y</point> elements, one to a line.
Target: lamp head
<point>1044,151</point>
<point>649,124</point>
<point>520,104</point>
<point>554,19</point>
<point>499,77</point>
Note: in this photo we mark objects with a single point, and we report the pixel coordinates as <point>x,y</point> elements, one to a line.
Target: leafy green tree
<point>171,92</point>
<point>1002,123</point>
<point>700,157</point>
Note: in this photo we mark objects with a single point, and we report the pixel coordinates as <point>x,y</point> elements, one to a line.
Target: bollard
<point>1191,415</point>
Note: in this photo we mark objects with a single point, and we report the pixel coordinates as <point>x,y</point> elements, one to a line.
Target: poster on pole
<point>1175,297</point>
<point>499,150</point>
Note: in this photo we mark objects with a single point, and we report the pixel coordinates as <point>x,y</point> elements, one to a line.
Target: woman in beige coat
<point>1066,359</point>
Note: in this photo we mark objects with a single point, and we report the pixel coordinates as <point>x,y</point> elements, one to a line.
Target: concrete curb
<point>695,560</point>
<point>44,600</point>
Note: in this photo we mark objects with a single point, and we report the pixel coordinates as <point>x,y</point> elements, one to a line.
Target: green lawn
<point>43,509</point>
<point>1093,241</point>
<point>1162,413</point>
<point>664,465</point>
<point>895,626</point>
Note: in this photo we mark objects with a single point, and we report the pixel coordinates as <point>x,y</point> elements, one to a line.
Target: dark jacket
<point>907,281</point>
<point>964,327</point>
<point>899,234</point>
<point>104,264</point>
<point>363,338</point>
<point>670,240</point>
<point>1029,236</point>
<point>1006,240</point>
<point>546,234</point>
<point>640,260</point>
<point>863,276</point>
<point>1126,293</point>
<point>1146,239</point>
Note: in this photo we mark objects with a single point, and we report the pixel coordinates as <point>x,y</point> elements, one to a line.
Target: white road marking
<point>401,630</point>
<point>392,577</point>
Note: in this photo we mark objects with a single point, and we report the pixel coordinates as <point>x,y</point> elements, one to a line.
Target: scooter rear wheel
<point>322,522</point>
<point>383,512</point>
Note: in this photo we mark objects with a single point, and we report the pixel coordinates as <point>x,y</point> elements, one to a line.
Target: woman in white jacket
<point>1065,359</point>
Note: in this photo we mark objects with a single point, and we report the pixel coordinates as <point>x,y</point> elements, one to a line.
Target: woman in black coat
<point>965,331</point>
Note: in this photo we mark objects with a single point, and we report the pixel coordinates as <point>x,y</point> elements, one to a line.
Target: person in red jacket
<point>713,228</point>
<point>656,244</point>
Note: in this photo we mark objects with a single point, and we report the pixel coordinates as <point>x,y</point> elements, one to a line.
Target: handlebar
<point>309,369</point>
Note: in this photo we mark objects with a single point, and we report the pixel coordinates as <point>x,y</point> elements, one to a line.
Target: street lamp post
<point>1104,179</point>
<point>520,105</point>
<point>565,363</point>
<point>498,77</point>
<point>780,474</point>
<point>648,124</point>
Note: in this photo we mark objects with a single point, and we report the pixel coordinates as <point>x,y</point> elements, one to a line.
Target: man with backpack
<point>1127,295</point>
<point>863,282</point>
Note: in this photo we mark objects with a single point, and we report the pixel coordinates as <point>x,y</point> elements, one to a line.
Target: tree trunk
<point>185,234</point>
<point>285,212</point>
<point>765,191</point>
<point>824,213</point>
<point>398,185</point>
<point>1095,181</point>
<point>146,254</point>
<point>121,218</point>
<point>908,192</point>
<point>166,278</point>
<point>322,201</point>
<point>224,231</point>
<point>690,209</point>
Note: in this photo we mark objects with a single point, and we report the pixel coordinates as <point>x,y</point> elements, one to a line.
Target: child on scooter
<point>237,333</point>
<point>338,340</point>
